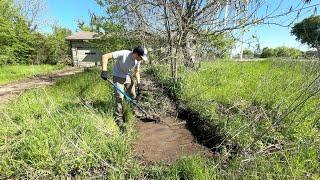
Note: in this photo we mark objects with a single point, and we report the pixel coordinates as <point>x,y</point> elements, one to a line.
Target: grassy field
<point>17,72</point>
<point>68,129</point>
<point>64,130</point>
<point>253,96</point>
<point>269,110</point>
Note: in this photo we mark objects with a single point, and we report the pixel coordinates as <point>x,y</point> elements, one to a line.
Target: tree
<point>308,32</point>
<point>267,52</point>
<point>248,53</point>
<point>32,10</point>
<point>215,46</point>
<point>16,41</point>
<point>20,44</point>
<point>183,22</point>
<point>281,52</point>
<point>57,49</point>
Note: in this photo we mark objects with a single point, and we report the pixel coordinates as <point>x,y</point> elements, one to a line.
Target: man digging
<point>126,67</point>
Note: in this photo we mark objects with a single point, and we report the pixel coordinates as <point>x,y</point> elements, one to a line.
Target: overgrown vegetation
<point>19,44</point>
<point>267,113</point>
<point>64,130</point>
<point>68,129</point>
<point>307,32</point>
<point>17,72</point>
<point>282,52</point>
<point>215,46</point>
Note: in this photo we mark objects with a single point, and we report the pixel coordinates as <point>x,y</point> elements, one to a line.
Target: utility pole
<point>243,30</point>
<point>233,3</point>
<point>225,20</point>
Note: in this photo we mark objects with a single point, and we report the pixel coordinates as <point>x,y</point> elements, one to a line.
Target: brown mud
<point>168,140</point>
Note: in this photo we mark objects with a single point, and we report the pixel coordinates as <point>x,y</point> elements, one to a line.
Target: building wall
<point>83,55</point>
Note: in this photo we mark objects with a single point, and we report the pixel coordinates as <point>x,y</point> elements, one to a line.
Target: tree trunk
<point>188,52</point>
<point>170,42</point>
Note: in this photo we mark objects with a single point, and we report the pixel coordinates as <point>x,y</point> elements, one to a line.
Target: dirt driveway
<point>11,90</point>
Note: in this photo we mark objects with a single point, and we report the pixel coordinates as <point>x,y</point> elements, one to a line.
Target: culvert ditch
<point>181,132</point>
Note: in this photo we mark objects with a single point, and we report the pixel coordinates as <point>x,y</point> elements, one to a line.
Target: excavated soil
<point>167,140</point>
<point>11,90</point>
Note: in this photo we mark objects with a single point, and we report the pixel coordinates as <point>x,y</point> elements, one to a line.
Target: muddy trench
<point>180,132</point>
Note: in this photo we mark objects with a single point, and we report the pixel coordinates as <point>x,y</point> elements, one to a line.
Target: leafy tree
<point>216,45</point>
<point>116,37</point>
<point>57,49</point>
<point>267,52</point>
<point>16,41</point>
<point>308,32</point>
<point>295,53</point>
<point>248,53</point>
<point>82,26</point>
<point>6,40</point>
<point>20,45</point>
<point>281,52</point>
<point>287,52</point>
<point>113,36</point>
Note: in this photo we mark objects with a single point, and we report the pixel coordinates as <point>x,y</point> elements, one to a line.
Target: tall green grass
<point>268,109</point>
<point>280,165</point>
<point>64,130</point>
<point>17,72</point>
<point>256,95</point>
<point>67,130</point>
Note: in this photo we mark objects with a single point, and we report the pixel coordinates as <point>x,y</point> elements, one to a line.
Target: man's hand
<point>104,75</point>
<point>139,89</point>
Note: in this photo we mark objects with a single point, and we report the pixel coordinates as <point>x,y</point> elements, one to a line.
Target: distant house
<point>83,54</point>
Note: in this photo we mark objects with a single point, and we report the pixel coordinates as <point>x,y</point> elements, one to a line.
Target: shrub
<point>281,52</point>
<point>248,53</point>
<point>267,52</point>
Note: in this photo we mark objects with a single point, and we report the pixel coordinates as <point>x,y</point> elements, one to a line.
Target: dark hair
<point>139,50</point>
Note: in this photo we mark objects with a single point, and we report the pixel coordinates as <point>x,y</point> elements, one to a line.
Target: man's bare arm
<point>104,61</point>
<point>137,74</point>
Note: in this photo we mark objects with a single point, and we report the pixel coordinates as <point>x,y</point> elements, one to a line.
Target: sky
<point>65,13</point>
<point>274,35</point>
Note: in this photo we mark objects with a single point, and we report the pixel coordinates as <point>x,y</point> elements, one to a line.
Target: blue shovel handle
<point>128,97</point>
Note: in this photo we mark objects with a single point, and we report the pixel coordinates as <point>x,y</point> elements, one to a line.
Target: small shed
<point>83,54</point>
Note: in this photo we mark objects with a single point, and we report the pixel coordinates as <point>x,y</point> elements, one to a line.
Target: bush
<point>248,53</point>
<point>16,41</point>
<point>19,45</point>
<point>57,49</point>
<point>281,52</point>
<point>216,46</point>
<point>267,52</point>
<point>287,52</point>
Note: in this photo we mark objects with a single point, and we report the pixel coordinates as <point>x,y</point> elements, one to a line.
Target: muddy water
<point>168,140</point>
<point>165,141</point>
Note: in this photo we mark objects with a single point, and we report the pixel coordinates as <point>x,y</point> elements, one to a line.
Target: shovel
<point>147,117</point>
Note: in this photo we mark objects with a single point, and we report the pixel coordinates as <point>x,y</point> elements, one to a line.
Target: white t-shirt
<point>125,64</point>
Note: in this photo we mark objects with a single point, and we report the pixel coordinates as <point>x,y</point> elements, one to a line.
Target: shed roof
<point>83,35</point>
